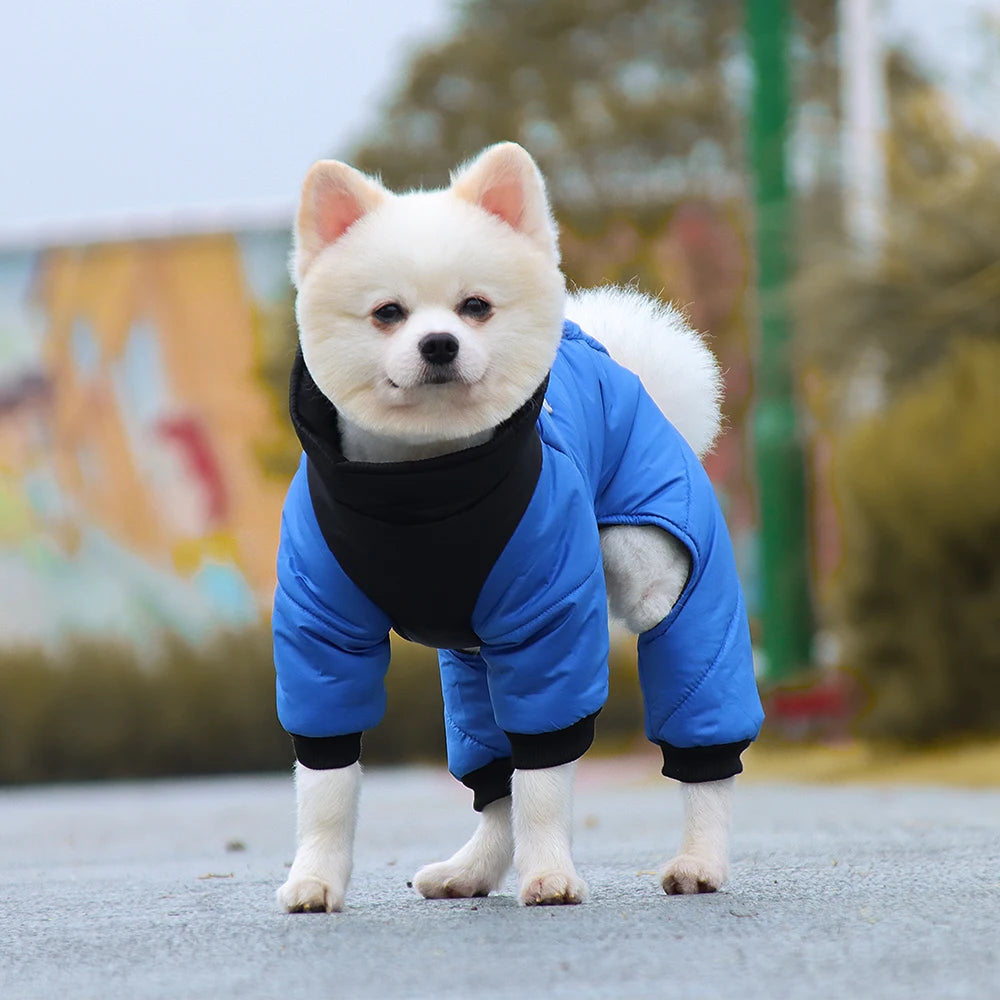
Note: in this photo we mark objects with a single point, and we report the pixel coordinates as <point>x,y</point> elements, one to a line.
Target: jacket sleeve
<point>542,616</point>
<point>695,667</point>
<point>331,644</point>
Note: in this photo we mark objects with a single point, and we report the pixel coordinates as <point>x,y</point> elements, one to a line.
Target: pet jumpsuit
<point>492,555</point>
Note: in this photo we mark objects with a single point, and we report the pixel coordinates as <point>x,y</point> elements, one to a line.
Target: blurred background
<point>816,183</point>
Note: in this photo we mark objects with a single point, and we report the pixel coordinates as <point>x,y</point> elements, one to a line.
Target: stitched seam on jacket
<point>602,486</point>
<point>328,626</point>
<point>517,636</point>
<point>472,739</point>
<point>726,643</point>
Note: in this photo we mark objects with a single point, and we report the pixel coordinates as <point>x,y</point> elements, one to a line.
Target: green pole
<point>786,608</point>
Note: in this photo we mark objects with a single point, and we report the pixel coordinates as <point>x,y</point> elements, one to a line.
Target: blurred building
<point>137,428</point>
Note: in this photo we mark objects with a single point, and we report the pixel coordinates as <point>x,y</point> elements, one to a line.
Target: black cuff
<point>324,753</point>
<point>533,751</point>
<point>692,764</point>
<point>489,783</point>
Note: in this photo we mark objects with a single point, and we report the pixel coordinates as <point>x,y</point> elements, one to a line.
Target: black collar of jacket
<point>419,538</point>
<point>424,491</point>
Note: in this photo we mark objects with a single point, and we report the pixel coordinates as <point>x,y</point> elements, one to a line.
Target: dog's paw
<point>688,874</point>
<point>446,880</point>
<point>310,894</point>
<point>552,889</point>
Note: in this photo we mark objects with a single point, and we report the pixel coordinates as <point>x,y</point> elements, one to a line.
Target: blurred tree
<point>876,329</point>
<point>633,110</point>
<point>626,104</point>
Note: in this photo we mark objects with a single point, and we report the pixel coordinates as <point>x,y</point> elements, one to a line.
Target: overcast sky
<point>112,106</point>
<point>108,106</point>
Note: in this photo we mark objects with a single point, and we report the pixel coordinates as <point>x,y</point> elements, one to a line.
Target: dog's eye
<point>475,308</point>
<point>391,312</point>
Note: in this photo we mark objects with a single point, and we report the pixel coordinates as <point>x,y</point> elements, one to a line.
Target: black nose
<point>438,348</point>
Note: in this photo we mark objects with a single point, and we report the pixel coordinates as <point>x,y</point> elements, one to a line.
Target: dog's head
<point>431,315</point>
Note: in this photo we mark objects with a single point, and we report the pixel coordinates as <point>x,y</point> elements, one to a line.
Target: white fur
<point>534,829</point>
<point>543,809</point>
<point>360,445</point>
<point>645,570</point>
<point>505,181</point>
<point>327,818</point>
<point>542,817</point>
<point>489,234</point>
<point>478,868</point>
<point>703,863</point>
<point>652,339</point>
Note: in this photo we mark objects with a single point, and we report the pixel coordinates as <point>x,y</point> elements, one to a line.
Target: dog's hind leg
<point>542,821</point>
<point>479,867</point>
<point>327,817</point>
<point>702,864</point>
<point>646,570</point>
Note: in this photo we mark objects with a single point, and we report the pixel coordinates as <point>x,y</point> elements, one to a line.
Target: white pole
<point>863,109</point>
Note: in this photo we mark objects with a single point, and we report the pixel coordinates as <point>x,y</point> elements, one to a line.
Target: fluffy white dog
<point>435,354</point>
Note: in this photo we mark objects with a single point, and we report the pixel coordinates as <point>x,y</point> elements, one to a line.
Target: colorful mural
<point>135,429</point>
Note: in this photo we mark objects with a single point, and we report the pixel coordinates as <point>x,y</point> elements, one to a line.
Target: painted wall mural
<point>136,490</point>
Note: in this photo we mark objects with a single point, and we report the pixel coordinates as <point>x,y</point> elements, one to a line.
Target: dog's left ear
<point>504,181</point>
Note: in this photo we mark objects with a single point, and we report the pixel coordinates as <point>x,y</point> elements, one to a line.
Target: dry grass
<point>969,765</point>
<point>96,710</point>
<point>919,589</point>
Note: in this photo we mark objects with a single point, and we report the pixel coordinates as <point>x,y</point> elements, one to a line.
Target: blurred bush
<point>938,279</point>
<point>920,584</point>
<point>98,711</point>
<point>906,354</point>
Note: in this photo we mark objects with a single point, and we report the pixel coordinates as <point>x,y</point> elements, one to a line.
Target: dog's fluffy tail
<point>654,340</point>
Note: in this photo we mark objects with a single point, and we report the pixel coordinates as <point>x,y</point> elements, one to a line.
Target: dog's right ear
<point>334,197</point>
<point>504,181</point>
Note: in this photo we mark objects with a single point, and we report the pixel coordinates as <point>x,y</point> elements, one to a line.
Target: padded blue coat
<point>608,457</point>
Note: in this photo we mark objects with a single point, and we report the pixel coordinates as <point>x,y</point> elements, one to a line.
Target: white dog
<point>472,463</point>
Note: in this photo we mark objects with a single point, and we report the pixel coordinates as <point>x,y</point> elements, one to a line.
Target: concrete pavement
<point>155,890</point>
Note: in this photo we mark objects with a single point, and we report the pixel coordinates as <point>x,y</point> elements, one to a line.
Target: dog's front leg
<point>542,821</point>
<point>703,862</point>
<point>327,816</point>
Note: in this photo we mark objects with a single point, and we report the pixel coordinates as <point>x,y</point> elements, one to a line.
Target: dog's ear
<point>504,181</point>
<point>334,197</point>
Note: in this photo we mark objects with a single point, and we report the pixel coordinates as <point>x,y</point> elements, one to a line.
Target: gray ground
<point>128,891</point>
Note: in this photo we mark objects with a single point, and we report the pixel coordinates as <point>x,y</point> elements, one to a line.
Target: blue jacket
<point>608,456</point>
